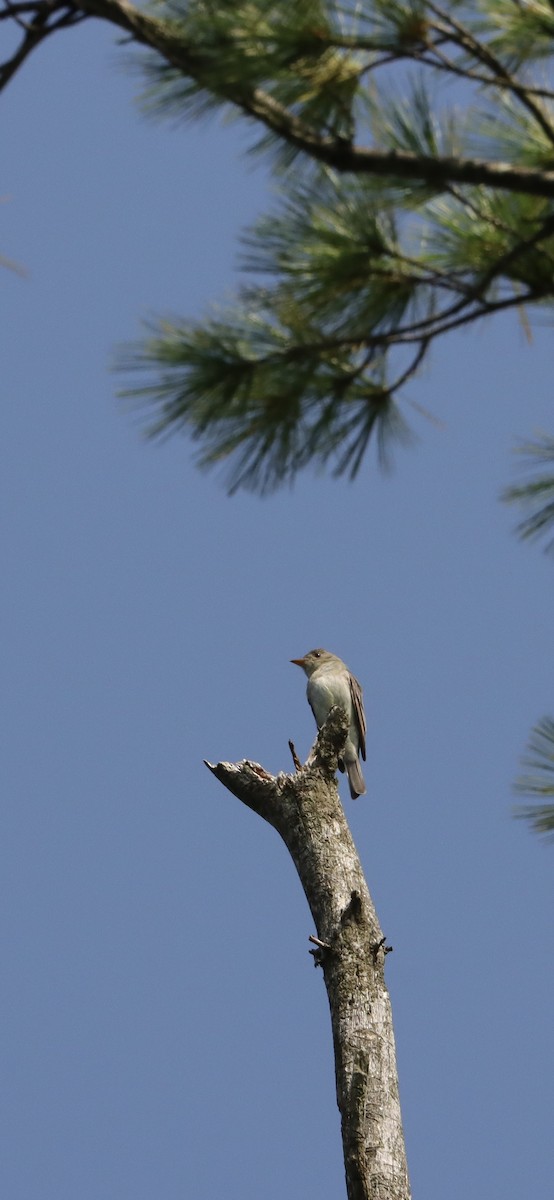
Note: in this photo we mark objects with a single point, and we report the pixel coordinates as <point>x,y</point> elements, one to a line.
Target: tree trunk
<point>306,810</point>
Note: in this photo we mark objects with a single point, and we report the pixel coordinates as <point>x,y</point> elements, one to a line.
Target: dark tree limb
<point>306,811</point>
<point>334,151</point>
<point>261,106</point>
<point>36,19</point>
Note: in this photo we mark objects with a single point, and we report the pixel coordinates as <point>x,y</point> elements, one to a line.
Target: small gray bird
<point>330,682</point>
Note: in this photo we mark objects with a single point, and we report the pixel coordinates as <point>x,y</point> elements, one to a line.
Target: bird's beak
<point>299,662</point>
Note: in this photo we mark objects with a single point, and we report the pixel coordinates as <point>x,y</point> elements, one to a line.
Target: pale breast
<point>326,691</point>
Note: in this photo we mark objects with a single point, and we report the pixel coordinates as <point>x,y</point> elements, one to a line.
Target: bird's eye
<point>317,654</point>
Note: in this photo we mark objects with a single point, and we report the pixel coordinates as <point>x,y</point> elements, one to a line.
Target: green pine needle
<point>355,273</point>
<point>538,781</point>
<point>536,495</point>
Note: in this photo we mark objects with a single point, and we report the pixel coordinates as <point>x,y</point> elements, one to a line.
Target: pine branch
<point>538,781</point>
<point>313,368</point>
<point>484,54</point>
<point>536,495</point>
<point>383,246</point>
<point>37,19</point>
<point>166,38</point>
<point>335,152</point>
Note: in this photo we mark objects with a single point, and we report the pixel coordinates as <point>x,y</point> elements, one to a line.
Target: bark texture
<point>306,811</point>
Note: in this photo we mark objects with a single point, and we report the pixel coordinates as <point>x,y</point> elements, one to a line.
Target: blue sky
<point>164,1031</point>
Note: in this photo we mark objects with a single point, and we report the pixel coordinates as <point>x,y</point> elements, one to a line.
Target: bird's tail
<point>355,777</point>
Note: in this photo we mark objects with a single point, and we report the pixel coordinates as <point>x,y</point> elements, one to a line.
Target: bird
<point>331,682</point>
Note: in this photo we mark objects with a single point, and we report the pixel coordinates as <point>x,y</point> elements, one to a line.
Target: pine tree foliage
<point>413,146</point>
<point>536,495</point>
<point>358,272</point>
<point>538,780</point>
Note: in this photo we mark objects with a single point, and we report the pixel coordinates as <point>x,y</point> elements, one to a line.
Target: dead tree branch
<point>306,811</point>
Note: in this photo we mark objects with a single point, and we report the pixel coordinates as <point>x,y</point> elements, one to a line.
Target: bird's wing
<point>359,714</point>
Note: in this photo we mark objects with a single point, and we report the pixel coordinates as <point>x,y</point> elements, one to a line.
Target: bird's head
<point>312,660</point>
